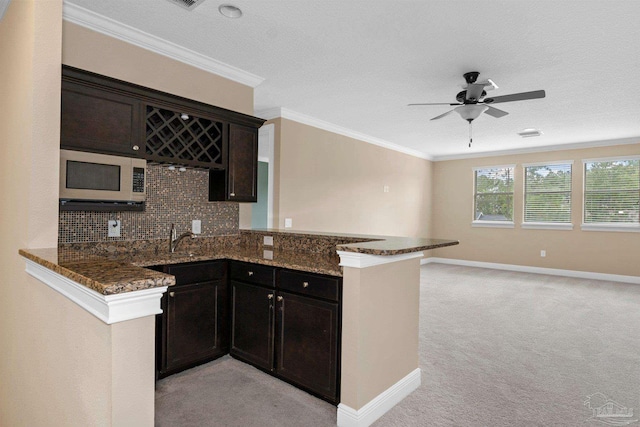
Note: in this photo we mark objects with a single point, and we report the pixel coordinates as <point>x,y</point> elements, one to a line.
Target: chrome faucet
<point>174,239</point>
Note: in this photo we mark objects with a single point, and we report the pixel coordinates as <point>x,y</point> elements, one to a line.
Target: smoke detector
<point>187,4</point>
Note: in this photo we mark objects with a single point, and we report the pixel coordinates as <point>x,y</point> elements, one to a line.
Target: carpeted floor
<point>497,348</point>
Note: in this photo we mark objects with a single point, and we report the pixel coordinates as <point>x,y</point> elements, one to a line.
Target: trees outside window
<point>493,195</point>
<point>547,193</point>
<point>612,191</point>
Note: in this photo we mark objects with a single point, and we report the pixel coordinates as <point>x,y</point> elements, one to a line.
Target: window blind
<point>612,191</point>
<point>547,193</point>
<point>493,198</point>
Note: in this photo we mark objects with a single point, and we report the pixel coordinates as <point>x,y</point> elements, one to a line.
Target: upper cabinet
<point>105,115</point>
<point>239,181</point>
<point>98,119</point>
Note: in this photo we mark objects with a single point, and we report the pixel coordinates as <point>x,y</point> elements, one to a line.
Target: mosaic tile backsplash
<point>172,197</point>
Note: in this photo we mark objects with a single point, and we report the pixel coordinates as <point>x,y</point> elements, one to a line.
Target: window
<point>493,196</point>
<point>612,193</point>
<point>547,195</point>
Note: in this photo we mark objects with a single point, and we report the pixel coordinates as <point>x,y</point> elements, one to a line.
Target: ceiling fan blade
<point>474,92</point>
<point>442,115</point>
<point>515,97</point>
<point>494,112</point>
<point>433,103</point>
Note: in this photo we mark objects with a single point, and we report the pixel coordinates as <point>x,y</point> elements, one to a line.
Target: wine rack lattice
<point>194,139</point>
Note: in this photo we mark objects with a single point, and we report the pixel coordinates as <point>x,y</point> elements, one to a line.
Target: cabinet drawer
<point>253,273</point>
<point>310,284</point>
<point>194,272</point>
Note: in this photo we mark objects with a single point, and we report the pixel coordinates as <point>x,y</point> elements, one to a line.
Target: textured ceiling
<point>357,64</point>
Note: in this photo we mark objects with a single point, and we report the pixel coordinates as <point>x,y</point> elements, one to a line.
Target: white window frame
<point>491,224</point>
<point>604,226</point>
<point>545,225</point>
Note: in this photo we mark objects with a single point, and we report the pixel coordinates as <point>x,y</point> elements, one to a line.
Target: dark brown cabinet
<point>106,115</point>
<point>98,120</point>
<point>291,330</point>
<point>252,313</point>
<point>307,343</point>
<point>194,325</point>
<point>252,324</point>
<point>239,182</point>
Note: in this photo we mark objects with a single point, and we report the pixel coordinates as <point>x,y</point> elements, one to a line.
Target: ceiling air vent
<point>528,133</point>
<point>187,4</point>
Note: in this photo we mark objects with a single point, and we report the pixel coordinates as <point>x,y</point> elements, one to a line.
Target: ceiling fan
<point>472,101</point>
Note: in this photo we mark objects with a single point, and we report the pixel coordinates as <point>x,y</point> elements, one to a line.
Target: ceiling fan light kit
<point>472,101</point>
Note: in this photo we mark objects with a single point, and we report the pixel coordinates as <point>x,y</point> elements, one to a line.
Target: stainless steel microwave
<point>101,180</point>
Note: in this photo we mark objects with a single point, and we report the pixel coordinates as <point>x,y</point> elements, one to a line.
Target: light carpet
<point>497,348</point>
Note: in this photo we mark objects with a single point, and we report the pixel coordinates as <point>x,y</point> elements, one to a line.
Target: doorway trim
<point>266,136</point>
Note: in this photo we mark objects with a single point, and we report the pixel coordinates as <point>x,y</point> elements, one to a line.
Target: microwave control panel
<point>138,180</point>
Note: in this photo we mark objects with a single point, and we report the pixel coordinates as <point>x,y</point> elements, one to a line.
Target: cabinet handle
<point>305,284</point>
<point>233,186</point>
<point>135,148</point>
<point>172,294</point>
<point>270,296</point>
<point>280,298</point>
<point>251,273</point>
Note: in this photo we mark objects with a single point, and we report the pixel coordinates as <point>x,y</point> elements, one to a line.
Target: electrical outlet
<point>543,253</point>
<point>268,240</point>
<point>288,223</point>
<point>385,189</point>
<point>196,226</point>
<point>114,228</point>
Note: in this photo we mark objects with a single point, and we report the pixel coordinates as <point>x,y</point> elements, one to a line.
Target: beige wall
<point>601,252</point>
<point>92,51</point>
<point>330,182</point>
<point>52,352</point>
<point>379,329</point>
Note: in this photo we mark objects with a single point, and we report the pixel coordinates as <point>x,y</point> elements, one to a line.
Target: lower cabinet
<point>252,324</point>
<point>289,327</point>
<point>307,343</point>
<point>282,321</point>
<point>194,327</point>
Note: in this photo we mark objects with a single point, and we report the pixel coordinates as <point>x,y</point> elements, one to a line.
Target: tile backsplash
<point>172,197</point>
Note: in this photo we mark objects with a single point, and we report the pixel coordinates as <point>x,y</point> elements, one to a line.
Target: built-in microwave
<point>91,181</point>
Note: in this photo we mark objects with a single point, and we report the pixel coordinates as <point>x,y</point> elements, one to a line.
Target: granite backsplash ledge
<point>173,197</point>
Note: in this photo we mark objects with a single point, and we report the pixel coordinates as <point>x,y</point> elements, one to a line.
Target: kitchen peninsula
<point>380,295</point>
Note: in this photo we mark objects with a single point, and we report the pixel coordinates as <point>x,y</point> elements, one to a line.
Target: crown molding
<point>557,147</point>
<point>107,26</point>
<point>278,112</point>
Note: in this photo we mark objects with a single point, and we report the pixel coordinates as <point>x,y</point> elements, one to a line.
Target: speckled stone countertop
<point>122,268</point>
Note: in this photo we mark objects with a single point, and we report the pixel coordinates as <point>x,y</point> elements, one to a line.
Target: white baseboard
<point>537,270</point>
<point>369,413</point>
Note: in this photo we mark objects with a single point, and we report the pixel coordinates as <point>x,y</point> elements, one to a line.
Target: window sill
<point>493,224</point>
<point>547,226</point>
<point>630,228</point>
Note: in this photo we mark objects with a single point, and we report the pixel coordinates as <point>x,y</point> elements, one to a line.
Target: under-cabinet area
<point>284,322</point>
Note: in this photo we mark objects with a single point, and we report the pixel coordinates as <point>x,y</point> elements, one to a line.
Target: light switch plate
<point>268,240</point>
<point>288,223</point>
<point>114,228</point>
<point>196,226</point>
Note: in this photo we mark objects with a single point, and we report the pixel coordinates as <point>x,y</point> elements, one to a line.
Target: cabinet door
<point>307,343</point>
<point>196,325</point>
<point>97,120</point>
<point>252,324</point>
<point>243,163</point>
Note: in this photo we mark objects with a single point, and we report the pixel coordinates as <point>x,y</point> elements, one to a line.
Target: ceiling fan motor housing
<point>462,97</point>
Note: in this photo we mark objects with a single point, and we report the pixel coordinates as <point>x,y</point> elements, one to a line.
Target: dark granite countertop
<point>116,272</point>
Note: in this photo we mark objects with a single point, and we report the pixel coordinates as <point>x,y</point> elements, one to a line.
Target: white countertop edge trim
<point>108,308</point>
<point>359,260</point>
